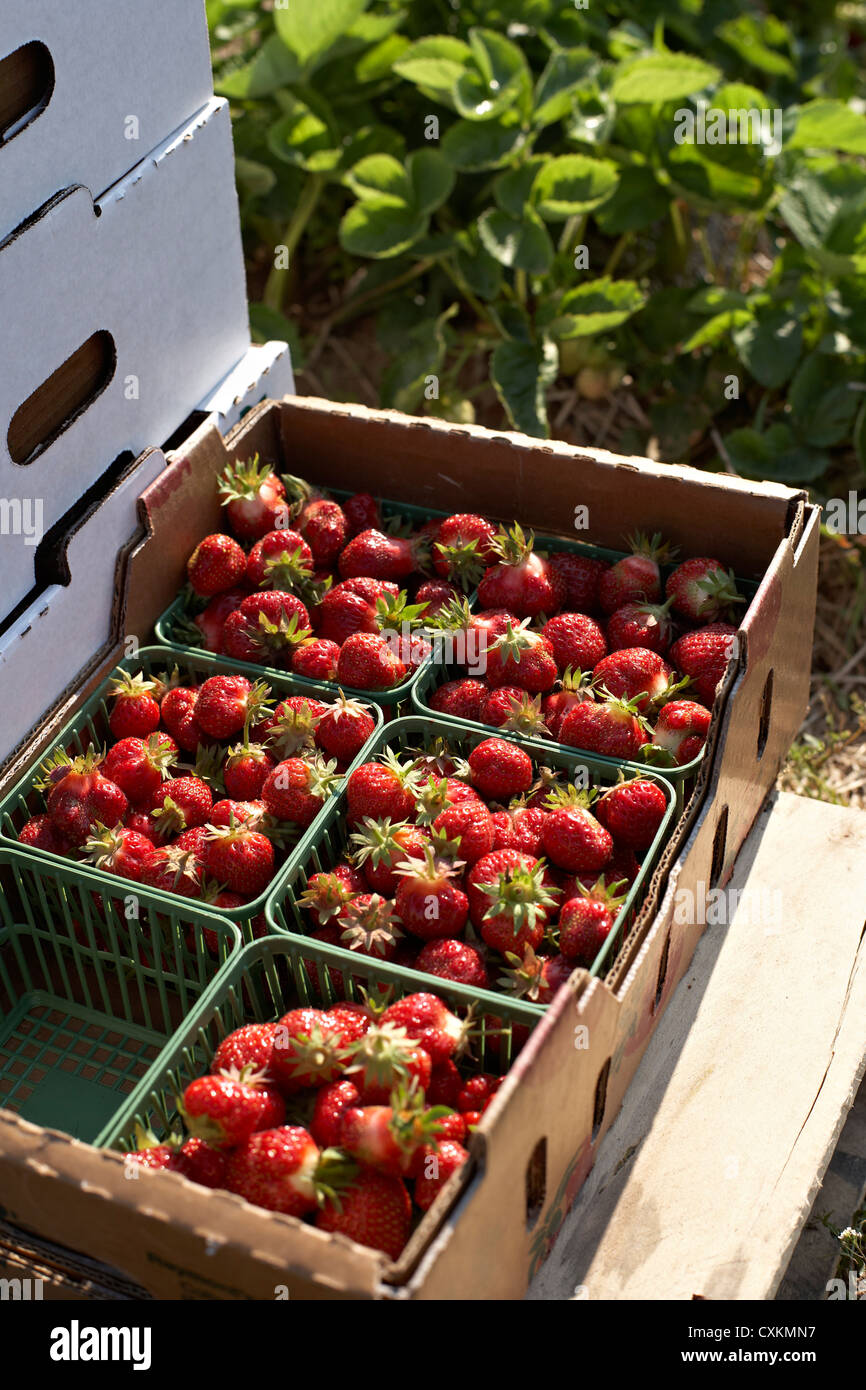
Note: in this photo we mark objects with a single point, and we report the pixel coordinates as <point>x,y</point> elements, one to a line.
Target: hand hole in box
<point>536,1182</point>
<point>600,1101</point>
<point>766,710</point>
<point>720,841</point>
<point>60,400</point>
<point>26,87</point>
<point>663,971</point>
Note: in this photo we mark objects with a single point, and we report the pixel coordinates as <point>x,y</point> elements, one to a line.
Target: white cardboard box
<point>115,78</point>
<point>157,263</point>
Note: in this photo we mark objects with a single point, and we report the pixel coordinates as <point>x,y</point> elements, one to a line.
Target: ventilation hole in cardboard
<point>60,400</point>
<point>536,1182</point>
<point>663,971</point>
<point>766,709</point>
<point>26,86</point>
<point>600,1099</point>
<point>719,845</point>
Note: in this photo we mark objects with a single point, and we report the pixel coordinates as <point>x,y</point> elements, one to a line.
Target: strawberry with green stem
<point>523,658</point>
<point>284,1170</point>
<point>180,803</point>
<point>225,1108</point>
<point>135,713</point>
<point>326,894</point>
<point>586,921</point>
<point>373,1209</point>
<point>387,787</point>
<point>533,977</point>
<point>633,811</point>
<point>572,837</point>
<point>119,851</point>
<point>514,710</point>
<point>218,563</point>
<point>568,692</point>
<point>641,624</point>
<point>253,498</point>
<point>380,845</point>
<point>462,548</point>
<point>239,857</point>
<point>680,731</point>
<point>370,926</point>
<point>227,704</point>
<point>612,727</point>
<point>309,1050</point>
<point>138,766</point>
<point>297,789</point>
<point>387,1137</point>
<point>431,1023</point>
<point>520,579</point>
<point>385,1057</point>
<point>512,897</point>
<point>80,795</point>
<point>636,577</point>
<point>344,728</point>
<point>703,590</point>
<point>428,902</point>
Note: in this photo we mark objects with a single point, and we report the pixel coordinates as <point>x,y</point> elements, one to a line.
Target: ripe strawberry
<point>381,846</point>
<point>283,1170</point>
<point>308,1049</point>
<point>322,523</point>
<point>344,728</point>
<point>225,1109</point>
<point>242,640</point>
<point>296,790</point>
<point>576,640</point>
<point>611,727</point>
<point>385,1058</point>
<point>81,798</point>
<point>136,712</point>
<point>226,703</point>
<point>245,770</point>
<point>463,548</point>
<point>280,560</point>
<point>354,606</point>
<point>635,578</point>
<point>646,625</point>
<point>375,555</point>
<point>461,698</point>
<point>156,1156</point>
<point>388,1137</point>
<point>375,1210</point>
<point>428,903</point>
<point>316,659</point>
<point>500,769</point>
<point>681,729</point>
<point>40,832</point>
<point>352,1018</point>
<point>251,813</point>
<point>635,674</point>
<point>253,498</point>
<point>522,581</point>
<point>428,1020</point>
<point>362,512</point>
<point>181,803</point>
<point>200,1162</point>
<point>523,658</point>
<point>277,608</point>
<point>369,926</point>
<point>436,794</point>
<point>291,729</point>
<point>703,590</point>
<point>520,827</point>
<point>439,1166</point>
<point>326,894</point>
<point>368,662</point>
<point>511,898</point>
<point>567,693</point>
<point>585,922</point>
<point>535,978</point>
<point>119,851</point>
<point>703,656</point>
<point>433,596</point>
<point>632,811</point>
<point>477,1092</point>
<point>207,627</point>
<point>581,576</point>
<point>572,837</point>
<point>139,766</point>
<point>251,1045</point>
<point>173,870</point>
<point>384,788</point>
<point>332,1101</point>
<point>240,858</point>
<point>445,1084</point>
<point>453,960</point>
<point>469,826</point>
<point>514,710</point>
<point>177,711</point>
<point>216,564</point>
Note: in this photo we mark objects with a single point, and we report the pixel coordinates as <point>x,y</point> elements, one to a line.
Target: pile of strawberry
<point>486,872</point>
<point>343,1116</point>
<point>200,787</point>
<point>585,652</point>
<point>306,583</point>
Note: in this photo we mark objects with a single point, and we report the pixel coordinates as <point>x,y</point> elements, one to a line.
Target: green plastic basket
<point>90,726</point>
<point>324,846</point>
<point>185,605</point>
<point>94,981</point>
<point>267,979</point>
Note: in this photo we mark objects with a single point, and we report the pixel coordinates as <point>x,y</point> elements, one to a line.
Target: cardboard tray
<point>537,1141</point>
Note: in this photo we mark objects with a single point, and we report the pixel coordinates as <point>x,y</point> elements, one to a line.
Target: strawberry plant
<point>539,196</point>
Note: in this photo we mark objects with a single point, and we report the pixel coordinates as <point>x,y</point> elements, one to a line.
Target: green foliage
<point>550,183</point>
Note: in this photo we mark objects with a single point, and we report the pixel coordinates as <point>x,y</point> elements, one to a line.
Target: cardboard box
<point>86,89</point>
<point>537,1141</point>
<point>132,309</point>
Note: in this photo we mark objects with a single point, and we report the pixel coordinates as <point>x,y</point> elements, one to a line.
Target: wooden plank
<point>705,1180</point>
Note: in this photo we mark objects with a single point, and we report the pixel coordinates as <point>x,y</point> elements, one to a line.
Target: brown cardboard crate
<point>538,1140</point>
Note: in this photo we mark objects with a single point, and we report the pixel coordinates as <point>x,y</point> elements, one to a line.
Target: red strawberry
<point>212,619</point>
<point>280,560</point>
<point>308,1050</point>
<point>385,1058</point>
<point>296,790</point>
<point>225,1109</point>
<point>322,523</point>
<point>362,513</point>
<point>361,604</point>
<point>379,556</point>
<point>572,837</point>
<point>81,798</point>
<point>282,1170</point>
<point>577,642</point>
<point>326,894</point>
<point>119,851</point>
<point>453,960</point>
<point>462,698</point>
<point>523,658</point>
<point>368,662</point>
<point>368,925</point>
<point>353,1019</point>
<point>511,898</point>
<point>173,870</point>
<point>566,694</point>
<point>291,729</point>
<point>139,766</point>
<point>445,1084</point>
<point>200,1162</point>
<point>515,710</point>
<point>316,659</point>
<point>388,1137</point>
<point>467,824</point>
<point>245,770</point>
<point>241,640</point>
<point>428,1020</point>
<point>439,1166</point>
<point>177,710</point>
<point>273,622</point>
<point>251,1045</point>
<point>522,581</point>
<point>253,497</point>
<point>381,846</point>
<point>384,788</point>
<point>635,674</point>
<point>635,578</point>
<point>375,1210</point>
<point>632,811</point>
<point>477,1092</point>
<point>332,1101</point>
<point>216,564</point>
<point>433,596</point>
<point>135,712</point>
<point>681,729</point>
<point>41,833</point>
<point>520,827</point>
<point>463,548</point>
<point>181,803</point>
<point>240,858</point>
<point>581,576</point>
<point>250,813</point>
<point>500,770</point>
<point>703,655</point>
<point>428,903</point>
<point>703,590</point>
<point>644,625</point>
<point>226,703</point>
<point>535,978</point>
<point>611,727</point>
<point>585,923</point>
<point>344,728</point>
